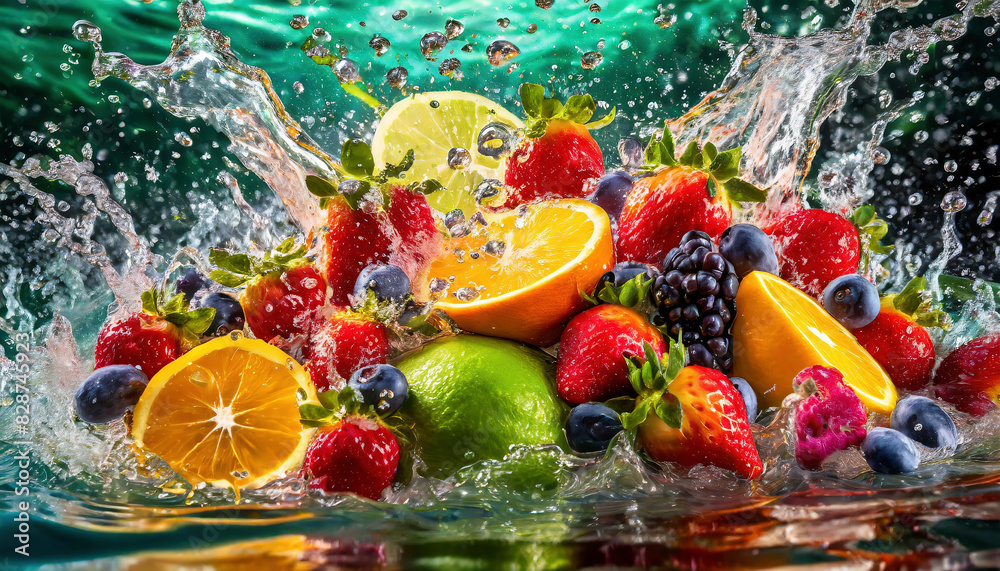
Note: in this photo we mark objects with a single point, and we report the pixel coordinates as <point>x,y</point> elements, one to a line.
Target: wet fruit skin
<point>748,394</point>
<point>283,304</point>
<point>748,249</point>
<point>814,247</point>
<point>109,392</point>
<point>562,163</point>
<point>903,348</point>
<point>831,418</point>
<point>137,339</point>
<point>662,208</point>
<point>890,452</point>
<point>354,240</point>
<point>852,300</point>
<point>610,193</point>
<point>342,345</point>
<point>387,282</point>
<point>381,386</point>
<point>969,377</point>
<point>923,421</point>
<point>591,426</point>
<point>714,428</point>
<point>356,455</point>
<point>229,314</point>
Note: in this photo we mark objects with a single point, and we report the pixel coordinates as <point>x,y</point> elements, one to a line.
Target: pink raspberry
<point>831,418</point>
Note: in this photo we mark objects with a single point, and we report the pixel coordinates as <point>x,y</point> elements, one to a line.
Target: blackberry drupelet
<point>695,296</point>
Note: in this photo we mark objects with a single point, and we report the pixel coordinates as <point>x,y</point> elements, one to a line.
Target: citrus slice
<point>432,124</point>
<point>779,331</point>
<point>521,275</point>
<point>226,413</point>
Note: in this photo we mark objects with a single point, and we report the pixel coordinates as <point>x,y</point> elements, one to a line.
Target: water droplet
<point>86,31</point>
<point>452,68</point>
<point>399,15</point>
<point>632,152</point>
<point>235,335</point>
<point>595,7</point>
<point>503,22</point>
<point>624,45</point>
<point>494,248</point>
<point>290,363</point>
<point>435,104</point>
<point>501,51</point>
<point>380,44</point>
<point>459,158</point>
<point>950,166</point>
<point>437,285</point>
<point>991,83</point>
<point>954,201</point>
<point>664,21</point>
<point>183,138</point>
<point>915,199</point>
<point>880,155</point>
<point>532,28</point>
<point>920,136</point>
<point>432,43</point>
<point>595,21</point>
<point>298,87</point>
<point>453,29</point>
<point>466,294</point>
<point>495,140</point>
<point>299,21</point>
<point>346,71</point>
<point>487,188</point>
<point>590,60</point>
<point>467,48</point>
<point>397,77</point>
<point>986,216</point>
<point>545,4</point>
<point>320,34</point>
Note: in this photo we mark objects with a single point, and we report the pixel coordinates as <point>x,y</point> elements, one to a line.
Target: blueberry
<point>921,419</point>
<point>890,451</point>
<point>748,249</point>
<point>611,191</point>
<point>591,426</point>
<point>621,273</point>
<point>852,300</point>
<point>748,394</point>
<point>109,392</point>
<point>228,314</point>
<point>381,386</point>
<point>190,283</point>
<point>386,281</point>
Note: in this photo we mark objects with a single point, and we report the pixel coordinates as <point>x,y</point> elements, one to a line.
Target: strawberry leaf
<point>150,302</point>
<point>638,416</point>
<point>393,171</point>
<point>650,353</point>
<point>712,186</point>
<point>356,158</point>
<point>330,399</point>
<point>667,140</point>
<point>196,321</point>
<point>726,164</point>
<point>532,96</point>
<point>425,187</point>
<point>621,404</point>
<point>675,358</point>
<point>579,108</point>
<point>227,279</point>
<point>739,190</point>
<point>668,408</point>
<point>321,187</point>
<point>916,301</point>
<point>634,374</point>
<point>689,155</point>
<point>603,121</point>
<point>630,294</point>
<point>708,153</point>
<point>314,413</point>
<point>240,264</point>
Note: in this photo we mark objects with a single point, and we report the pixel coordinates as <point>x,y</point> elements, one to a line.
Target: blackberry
<point>695,297</point>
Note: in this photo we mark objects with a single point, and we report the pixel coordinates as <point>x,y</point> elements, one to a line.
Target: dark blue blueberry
<point>852,300</point>
<point>109,392</point>
<point>921,419</point>
<point>890,451</point>
<point>191,283</point>
<point>749,396</point>
<point>748,249</point>
<point>228,314</point>
<point>386,281</point>
<point>591,426</point>
<point>381,386</point>
<point>611,191</point>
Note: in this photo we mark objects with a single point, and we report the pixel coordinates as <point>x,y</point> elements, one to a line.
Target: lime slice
<point>432,124</point>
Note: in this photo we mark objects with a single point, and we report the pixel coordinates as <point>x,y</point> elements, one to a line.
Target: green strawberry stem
<point>651,380</point>
<point>336,405</point>
<point>916,301</point>
<point>721,167</point>
<point>631,294</point>
<point>235,268</point>
<point>871,230</point>
<point>191,322</point>
<point>541,109</point>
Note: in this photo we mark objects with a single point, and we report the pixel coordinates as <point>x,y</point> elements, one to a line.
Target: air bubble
<point>466,294</point>
<point>950,166</point>
<point>299,21</point>
<point>380,44</point>
<point>954,201</point>
<point>459,158</point>
<point>298,87</point>
<point>432,43</point>
<point>915,199</point>
<point>86,31</point>
<point>452,68</point>
<point>501,51</point>
<point>590,60</point>
<point>453,29</point>
<point>346,71</point>
<point>397,77</point>
<point>399,15</point>
<point>545,4</point>
<point>532,28</point>
<point>503,22</point>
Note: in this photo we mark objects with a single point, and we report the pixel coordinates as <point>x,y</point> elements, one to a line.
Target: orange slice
<point>521,275</point>
<point>226,413</point>
<point>779,331</point>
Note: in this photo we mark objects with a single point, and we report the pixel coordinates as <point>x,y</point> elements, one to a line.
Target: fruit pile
<point>403,335</point>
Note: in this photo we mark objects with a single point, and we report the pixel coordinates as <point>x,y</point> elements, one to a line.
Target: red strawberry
<point>593,350</point>
<point>151,339</point>
<point>343,344</point>
<point>830,418</point>
<point>969,377</point>
<point>283,291</point>
<point>415,237</point>
<point>814,247</point>
<point>898,340</point>
<point>558,158</point>
<point>356,455</point>
<point>692,415</point>
<point>353,240</point>
<point>694,192</point>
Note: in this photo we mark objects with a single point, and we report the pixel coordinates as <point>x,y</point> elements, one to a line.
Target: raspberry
<point>831,418</point>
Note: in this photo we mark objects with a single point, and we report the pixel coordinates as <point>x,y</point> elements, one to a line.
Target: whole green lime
<point>472,398</point>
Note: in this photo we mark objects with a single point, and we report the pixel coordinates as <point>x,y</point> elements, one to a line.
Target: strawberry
<point>374,218</point>
<point>595,345</point>
<point>815,246</point>
<point>153,338</point>
<point>343,344</point>
<point>829,418</point>
<point>558,158</point>
<point>897,338</point>
<point>690,415</point>
<point>354,455</point>
<point>283,291</point>
<point>696,191</point>
<point>969,377</point>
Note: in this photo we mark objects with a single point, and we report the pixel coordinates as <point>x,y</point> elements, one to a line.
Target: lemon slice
<point>432,124</point>
<point>779,331</point>
<point>226,413</point>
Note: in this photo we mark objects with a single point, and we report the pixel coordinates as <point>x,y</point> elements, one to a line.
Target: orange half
<point>779,331</point>
<point>226,413</point>
<point>525,285</point>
